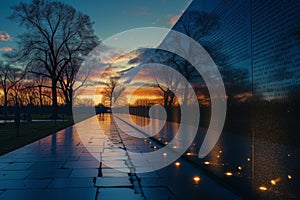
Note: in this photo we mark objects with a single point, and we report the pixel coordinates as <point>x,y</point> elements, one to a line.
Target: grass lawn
<point>28,132</point>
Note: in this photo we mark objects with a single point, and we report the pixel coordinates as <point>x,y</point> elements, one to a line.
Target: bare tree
<point>56,34</point>
<point>9,79</point>
<point>16,81</point>
<point>110,87</point>
<point>167,88</point>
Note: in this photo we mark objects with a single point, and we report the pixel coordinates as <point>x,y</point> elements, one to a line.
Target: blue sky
<point>110,16</point>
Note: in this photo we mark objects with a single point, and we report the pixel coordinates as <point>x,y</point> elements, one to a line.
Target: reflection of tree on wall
<point>167,89</point>
<point>238,86</point>
<point>196,25</point>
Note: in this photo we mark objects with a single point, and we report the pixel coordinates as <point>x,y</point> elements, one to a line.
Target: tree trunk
<point>70,102</point>
<point>54,100</point>
<point>185,96</point>
<point>41,99</point>
<point>5,104</point>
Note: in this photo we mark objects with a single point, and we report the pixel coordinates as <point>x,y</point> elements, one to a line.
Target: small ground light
<point>189,154</point>
<point>206,163</point>
<point>218,156</point>
<point>289,176</point>
<point>174,147</point>
<point>196,179</point>
<point>145,140</point>
<point>228,174</point>
<point>177,164</point>
<point>240,167</point>
<point>273,182</point>
<point>154,147</point>
<point>263,188</point>
<point>165,154</point>
<point>166,143</point>
<point>248,159</point>
<point>220,151</point>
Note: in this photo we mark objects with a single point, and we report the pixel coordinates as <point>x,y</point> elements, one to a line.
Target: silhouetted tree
<point>9,80</point>
<point>109,89</point>
<point>56,35</point>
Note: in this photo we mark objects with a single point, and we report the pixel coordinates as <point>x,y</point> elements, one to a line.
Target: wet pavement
<point>60,167</point>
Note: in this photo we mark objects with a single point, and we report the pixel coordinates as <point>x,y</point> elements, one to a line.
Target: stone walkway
<point>60,167</point>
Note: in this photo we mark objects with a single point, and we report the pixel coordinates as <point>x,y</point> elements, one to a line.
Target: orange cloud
<point>5,37</point>
<point>6,48</point>
<point>8,37</point>
<point>173,19</point>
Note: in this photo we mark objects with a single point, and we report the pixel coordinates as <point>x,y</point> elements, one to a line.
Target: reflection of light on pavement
<point>228,174</point>
<point>263,188</point>
<point>177,164</point>
<point>196,179</point>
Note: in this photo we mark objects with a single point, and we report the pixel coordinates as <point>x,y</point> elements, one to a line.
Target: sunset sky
<point>110,17</point>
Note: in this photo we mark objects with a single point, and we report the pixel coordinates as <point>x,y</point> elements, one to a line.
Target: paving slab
<point>82,164</point>
<point>118,194</point>
<point>49,173</point>
<point>84,172</point>
<point>24,184</point>
<point>71,183</point>
<point>110,172</point>
<point>113,182</point>
<point>8,175</point>
<point>17,166</point>
<point>50,194</point>
<point>46,165</point>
